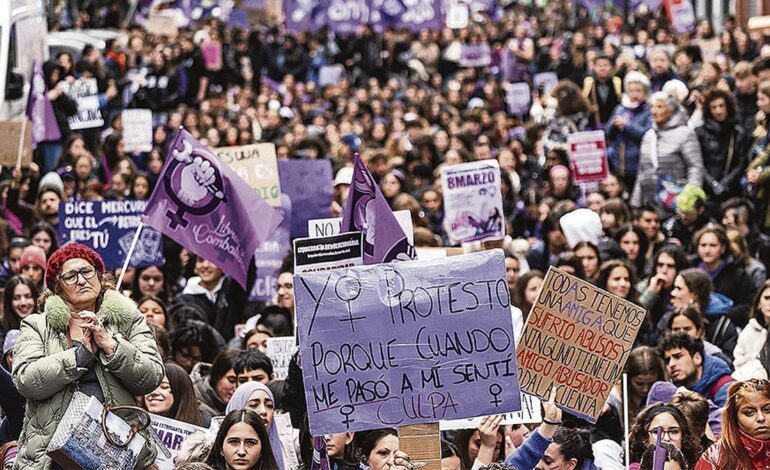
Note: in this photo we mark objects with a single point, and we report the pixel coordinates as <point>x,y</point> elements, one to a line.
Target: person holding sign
<point>380,451</point>
<point>674,427</point>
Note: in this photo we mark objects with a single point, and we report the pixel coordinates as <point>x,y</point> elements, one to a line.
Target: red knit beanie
<point>66,253</point>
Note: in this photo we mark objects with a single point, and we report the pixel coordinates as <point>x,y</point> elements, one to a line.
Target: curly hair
<point>639,436</point>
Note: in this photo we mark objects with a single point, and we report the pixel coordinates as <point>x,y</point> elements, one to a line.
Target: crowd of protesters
<point>680,227</point>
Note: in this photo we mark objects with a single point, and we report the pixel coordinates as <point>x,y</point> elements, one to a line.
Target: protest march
<point>384,235</point>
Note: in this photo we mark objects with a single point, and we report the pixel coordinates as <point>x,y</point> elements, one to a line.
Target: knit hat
<point>10,340</point>
<point>691,198</point>
<point>51,181</point>
<point>32,254</point>
<point>66,253</point>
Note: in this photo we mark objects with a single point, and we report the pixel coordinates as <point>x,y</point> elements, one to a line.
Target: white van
<point>23,31</point>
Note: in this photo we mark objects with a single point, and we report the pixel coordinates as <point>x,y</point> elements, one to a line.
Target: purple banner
<point>420,347</point>
<point>309,185</point>
<point>204,206</point>
<point>367,210</point>
<point>518,96</point>
<point>269,255</point>
<point>345,16</point>
<point>475,55</point>
<point>40,110</point>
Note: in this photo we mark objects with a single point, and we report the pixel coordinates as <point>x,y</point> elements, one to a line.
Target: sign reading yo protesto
<point>395,344</point>
<point>577,339</point>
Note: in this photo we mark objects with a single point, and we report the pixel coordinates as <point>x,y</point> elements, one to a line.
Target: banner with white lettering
<point>108,228</point>
<point>326,253</point>
<point>472,201</point>
<point>85,92</point>
<point>587,156</point>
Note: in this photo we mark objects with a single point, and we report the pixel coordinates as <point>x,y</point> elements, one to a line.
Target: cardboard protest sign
<point>587,156</point>
<point>472,201</point>
<point>422,442</point>
<point>309,185</point>
<point>270,254</point>
<point>280,350</point>
<point>577,339</point>
<point>172,434</point>
<point>323,254</point>
<point>12,142</point>
<point>530,413</point>
<point>137,129</point>
<point>518,96</point>
<point>108,227</point>
<point>85,92</point>
<point>162,24</point>
<point>328,227</point>
<point>257,165</point>
<point>396,344</point>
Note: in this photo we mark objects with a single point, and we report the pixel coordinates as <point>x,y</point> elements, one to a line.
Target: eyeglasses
<point>670,434</point>
<point>71,277</point>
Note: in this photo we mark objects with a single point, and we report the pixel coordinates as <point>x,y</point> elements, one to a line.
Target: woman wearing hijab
<point>284,440</point>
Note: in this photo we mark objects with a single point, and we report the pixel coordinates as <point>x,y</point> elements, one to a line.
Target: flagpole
<point>625,420</point>
<point>130,253</point>
<point>21,142</point>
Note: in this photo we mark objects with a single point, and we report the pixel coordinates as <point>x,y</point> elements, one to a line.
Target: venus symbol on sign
<point>348,289</point>
<point>495,390</point>
<point>346,411</point>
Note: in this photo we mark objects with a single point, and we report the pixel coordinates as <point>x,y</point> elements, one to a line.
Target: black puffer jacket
<point>734,282</point>
<point>725,148</point>
<point>63,106</point>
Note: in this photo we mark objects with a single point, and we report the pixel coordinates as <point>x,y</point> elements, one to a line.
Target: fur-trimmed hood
<point>116,311</point>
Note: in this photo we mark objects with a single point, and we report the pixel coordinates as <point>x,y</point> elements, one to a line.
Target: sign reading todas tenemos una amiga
<point>398,344</point>
<point>577,339</point>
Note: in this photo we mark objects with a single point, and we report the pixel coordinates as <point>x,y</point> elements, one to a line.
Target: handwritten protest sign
<point>85,92</point>
<point>280,350</point>
<point>309,185</point>
<point>137,129</point>
<point>172,434</point>
<point>108,227</point>
<point>11,143</point>
<point>394,344</point>
<point>518,96</point>
<point>681,14</point>
<point>457,14</point>
<point>530,413</point>
<point>270,254</point>
<point>328,227</point>
<point>257,165</point>
<point>577,339</point>
<point>323,254</point>
<point>587,156</point>
<point>473,203</point>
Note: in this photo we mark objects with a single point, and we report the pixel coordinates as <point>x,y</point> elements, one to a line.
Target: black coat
<point>725,149</point>
<point>734,282</point>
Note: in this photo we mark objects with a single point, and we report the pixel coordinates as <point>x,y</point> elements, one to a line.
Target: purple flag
<point>659,455</point>
<point>204,206</point>
<point>40,110</point>
<point>366,210</point>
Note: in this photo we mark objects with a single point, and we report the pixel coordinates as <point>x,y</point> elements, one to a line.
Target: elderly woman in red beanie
<point>88,337</point>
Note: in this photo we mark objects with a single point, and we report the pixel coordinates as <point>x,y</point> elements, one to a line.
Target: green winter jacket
<point>45,370</point>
